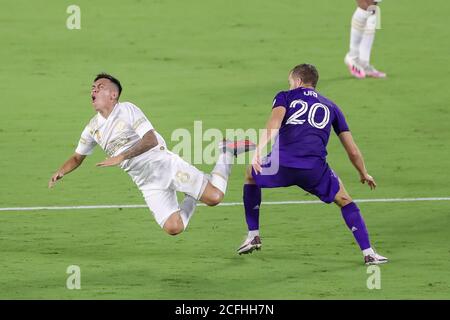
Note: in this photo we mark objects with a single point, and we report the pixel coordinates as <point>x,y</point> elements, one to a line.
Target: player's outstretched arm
<point>71,164</point>
<point>147,142</point>
<point>356,157</point>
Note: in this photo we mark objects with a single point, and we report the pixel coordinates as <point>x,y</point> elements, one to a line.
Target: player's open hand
<point>370,181</point>
<point>57,176</point>
<point>109,162</point>
<point>256,162</point>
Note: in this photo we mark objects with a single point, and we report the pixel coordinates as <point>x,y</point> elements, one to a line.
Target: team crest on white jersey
<point>120,126</point>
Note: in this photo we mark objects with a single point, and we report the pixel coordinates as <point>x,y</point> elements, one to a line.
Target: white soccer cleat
<point>354,67</point>
<point>249,245</point>
<point>374,258</point>
<point>237,147</point>
<point>374,73</point>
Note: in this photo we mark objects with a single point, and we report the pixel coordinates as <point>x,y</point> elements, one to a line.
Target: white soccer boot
<point>249,245</point>
<point>374,258</point>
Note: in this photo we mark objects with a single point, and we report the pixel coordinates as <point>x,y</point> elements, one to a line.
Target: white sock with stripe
<point>359,21</point>
<point>367,252</point>
<point>222,170</point>
<point>187,209</point>
<point>367,40</point>
<point>252,234</point>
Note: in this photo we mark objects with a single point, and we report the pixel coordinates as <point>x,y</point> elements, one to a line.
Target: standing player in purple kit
<point>302,119</point>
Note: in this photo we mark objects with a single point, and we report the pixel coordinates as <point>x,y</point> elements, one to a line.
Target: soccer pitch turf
<point>221,62</point>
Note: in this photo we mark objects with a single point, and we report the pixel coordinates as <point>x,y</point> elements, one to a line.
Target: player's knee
<point>364,4</point>
<point>173,230</point>
<point>214,198</point>
<point>174,226</point>
<point>343,199</point>
<point>369,4</point>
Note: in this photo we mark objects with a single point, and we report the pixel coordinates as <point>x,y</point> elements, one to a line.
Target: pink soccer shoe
<point>374,73</point>
<point>355,68</point>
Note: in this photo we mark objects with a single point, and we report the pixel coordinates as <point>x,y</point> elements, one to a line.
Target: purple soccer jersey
<point>306,127</point>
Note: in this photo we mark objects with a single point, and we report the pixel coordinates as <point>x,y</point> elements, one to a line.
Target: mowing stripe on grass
<point>117,206</point>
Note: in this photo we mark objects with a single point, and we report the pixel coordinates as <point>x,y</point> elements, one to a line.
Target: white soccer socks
<point>359,21</point>
<point>367,39</point>
<point>222,170</point>
<point>252,234</point>
<point>367,252</point>
<point>362,35</point>
<point>187,209</point>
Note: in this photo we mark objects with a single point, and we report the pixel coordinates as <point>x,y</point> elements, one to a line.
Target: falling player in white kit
<point>123,131</point>
<point>364,25</point>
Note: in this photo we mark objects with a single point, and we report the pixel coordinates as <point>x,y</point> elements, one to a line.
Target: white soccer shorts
<point>183,177</point>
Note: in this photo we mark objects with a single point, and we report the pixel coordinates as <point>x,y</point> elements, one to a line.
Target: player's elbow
<point>151,142</point>
<point>78,158</point>
<point>151,145</point>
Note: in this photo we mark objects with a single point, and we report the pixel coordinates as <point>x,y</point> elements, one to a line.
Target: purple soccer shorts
<point>320,181</point>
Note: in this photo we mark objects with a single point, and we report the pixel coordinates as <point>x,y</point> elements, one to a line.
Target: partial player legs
<point>352,217</point>
<point>363,28</point>
<point>195,185</point>
<point>358,24</point>
<point>252,202</point>
<point>173,217</point>
<point>216,187</point>
<point>355,222</point>
<point>178,221</point>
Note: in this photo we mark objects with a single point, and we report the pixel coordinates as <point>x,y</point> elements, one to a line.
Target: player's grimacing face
<point>103,93</point>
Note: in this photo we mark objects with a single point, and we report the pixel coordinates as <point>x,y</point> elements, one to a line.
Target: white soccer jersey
<point>123,128</point>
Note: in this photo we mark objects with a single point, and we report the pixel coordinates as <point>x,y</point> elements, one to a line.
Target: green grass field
<point>220,62</point>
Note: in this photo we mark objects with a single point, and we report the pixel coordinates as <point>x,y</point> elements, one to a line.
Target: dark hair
<point>307,72</point>
<point>104,75</point>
